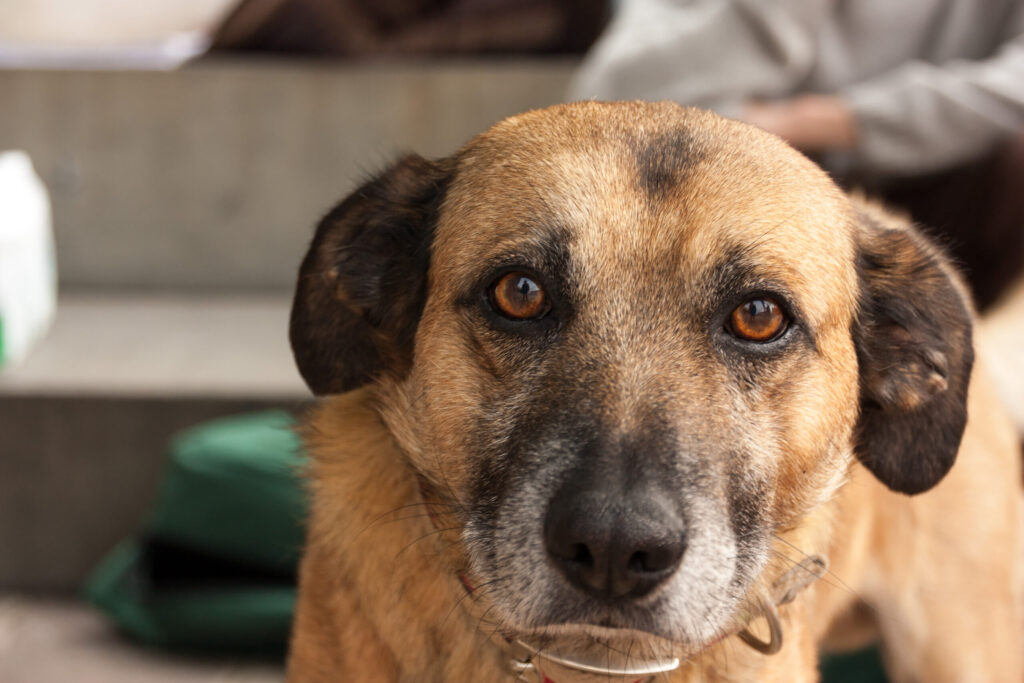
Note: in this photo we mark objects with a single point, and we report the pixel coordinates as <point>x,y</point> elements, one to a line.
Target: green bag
<point>215,567</point>
<point>863,666</point>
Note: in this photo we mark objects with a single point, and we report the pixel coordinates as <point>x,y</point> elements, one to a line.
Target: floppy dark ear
<point>914,347</point>
<point>362,285</point>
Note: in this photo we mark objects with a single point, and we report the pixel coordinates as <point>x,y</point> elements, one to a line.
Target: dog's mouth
<point>605,649</point>
<point>585,636</point>
<point>609,648</point>
<point>587,652</point>
<point>587,641</point>
<point>606,629</point>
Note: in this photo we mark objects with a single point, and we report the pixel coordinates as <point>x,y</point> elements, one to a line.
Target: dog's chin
<point>585,635</point>
<point>658,622</point>
<point>630,634</point>
<point>653,626</point>
<point>609,645</point>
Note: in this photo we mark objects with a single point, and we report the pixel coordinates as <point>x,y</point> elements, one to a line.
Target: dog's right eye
<point>758,320</point>
<point>518,297</point>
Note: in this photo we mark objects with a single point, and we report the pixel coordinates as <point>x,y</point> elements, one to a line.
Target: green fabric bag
<point>233,489</point>
<point>863,666</point>
<point>202,617</point>
<point>215,567</point>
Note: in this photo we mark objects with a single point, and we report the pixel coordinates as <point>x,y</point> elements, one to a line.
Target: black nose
<point>614,545</point>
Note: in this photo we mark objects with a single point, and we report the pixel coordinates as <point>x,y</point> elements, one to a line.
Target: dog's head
<point>631,343</point>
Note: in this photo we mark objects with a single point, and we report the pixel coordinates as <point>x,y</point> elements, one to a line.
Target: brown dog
<point>618,376</point>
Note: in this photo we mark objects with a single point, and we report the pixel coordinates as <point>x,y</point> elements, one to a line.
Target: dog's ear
<point>363,282</point>
<point>914,348</point>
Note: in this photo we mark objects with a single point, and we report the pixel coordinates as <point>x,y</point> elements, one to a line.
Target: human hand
<point>814,123</point>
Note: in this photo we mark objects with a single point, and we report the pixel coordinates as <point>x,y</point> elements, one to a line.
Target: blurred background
<point>163,162</point>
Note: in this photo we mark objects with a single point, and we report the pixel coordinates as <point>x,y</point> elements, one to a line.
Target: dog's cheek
<point>808,403</point>
<point>527,441</point>
<point>444,396</point>
<point>508,551</point>
<point>748,494</point>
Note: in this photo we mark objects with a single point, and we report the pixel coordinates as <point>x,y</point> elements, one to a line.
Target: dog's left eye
<point>518,297</point>
<point>758,320</point>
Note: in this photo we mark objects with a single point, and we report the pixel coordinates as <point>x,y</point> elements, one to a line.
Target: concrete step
<point>50,641</point>
<point>119,344</point>
<point>85,421</point>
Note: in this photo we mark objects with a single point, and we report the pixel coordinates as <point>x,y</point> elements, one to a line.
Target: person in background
<point>395,29</point>
<point>918,101</point>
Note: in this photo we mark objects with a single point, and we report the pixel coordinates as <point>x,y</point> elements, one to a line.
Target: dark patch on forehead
<point>663,160</point>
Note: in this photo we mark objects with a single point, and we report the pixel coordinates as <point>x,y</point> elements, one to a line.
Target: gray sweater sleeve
<point>707,53</point>
<point>719,54</point>
<point>921,117</point>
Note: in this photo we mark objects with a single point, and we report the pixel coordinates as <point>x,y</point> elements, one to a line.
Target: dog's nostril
<point>582,556</point>
<point>657,559</point>
<point>638,562</point>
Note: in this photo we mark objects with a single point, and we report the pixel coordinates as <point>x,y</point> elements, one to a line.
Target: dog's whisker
<point>403,518</point>
<point>480,592</point>
<point>429,534</point>
<point>420,504</point>
<point>829,574</point>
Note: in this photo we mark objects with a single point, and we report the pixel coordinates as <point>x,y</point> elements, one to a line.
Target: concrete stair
<point>56,641</point>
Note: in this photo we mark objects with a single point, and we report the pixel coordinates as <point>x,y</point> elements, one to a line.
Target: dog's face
<point>630,344</point>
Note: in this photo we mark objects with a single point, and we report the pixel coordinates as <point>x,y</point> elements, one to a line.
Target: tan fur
<point>936,575</point>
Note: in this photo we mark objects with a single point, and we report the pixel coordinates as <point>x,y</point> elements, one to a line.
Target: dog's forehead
<point>625,185</point>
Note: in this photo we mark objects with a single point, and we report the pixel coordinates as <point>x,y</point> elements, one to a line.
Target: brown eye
<point>518,297</point>
<point>758,320</point>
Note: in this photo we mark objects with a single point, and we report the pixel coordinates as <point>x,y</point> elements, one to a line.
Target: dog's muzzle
<point>549,665</point>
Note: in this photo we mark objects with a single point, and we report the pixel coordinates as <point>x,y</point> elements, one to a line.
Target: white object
<point>169,53</point>
<point>106,34</point>
<point>28,277</point>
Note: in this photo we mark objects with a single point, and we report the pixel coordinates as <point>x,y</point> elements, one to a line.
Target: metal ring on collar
<point>774,642</point>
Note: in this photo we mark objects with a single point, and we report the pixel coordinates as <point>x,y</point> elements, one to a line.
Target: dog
<point>632,392</point>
